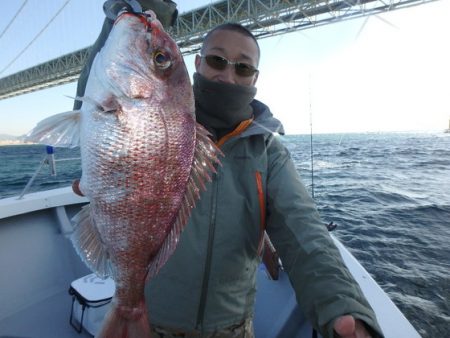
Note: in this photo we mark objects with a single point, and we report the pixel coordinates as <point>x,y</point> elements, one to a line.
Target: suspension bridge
<point>263,17</point>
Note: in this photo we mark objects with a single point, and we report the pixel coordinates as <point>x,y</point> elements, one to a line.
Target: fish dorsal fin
<point>88,244</point>
<point>60,130</point>
<point>206,157</point>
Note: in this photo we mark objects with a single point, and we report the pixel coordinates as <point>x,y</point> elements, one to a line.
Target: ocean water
<point>389,193</point>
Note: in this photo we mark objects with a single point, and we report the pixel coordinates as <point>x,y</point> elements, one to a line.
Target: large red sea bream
<point>143,160</point>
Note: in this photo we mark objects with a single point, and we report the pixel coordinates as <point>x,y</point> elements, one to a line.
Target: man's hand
<point>348,327</point>
<point>76,187</point>
<point>165,10</point>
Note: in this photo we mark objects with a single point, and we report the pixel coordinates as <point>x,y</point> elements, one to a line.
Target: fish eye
<point>161,60</point>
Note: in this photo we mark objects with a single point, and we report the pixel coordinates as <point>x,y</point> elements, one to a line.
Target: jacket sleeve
<point>324,287</point>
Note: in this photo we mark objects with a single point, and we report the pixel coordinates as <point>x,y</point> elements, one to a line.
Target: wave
<point>389,194</point>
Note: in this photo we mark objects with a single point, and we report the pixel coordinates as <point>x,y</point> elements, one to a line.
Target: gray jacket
<point>209,282</point>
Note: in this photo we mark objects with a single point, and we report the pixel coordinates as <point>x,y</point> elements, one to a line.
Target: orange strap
<point>270,256</point>
<point>262,210</point>
<point>238,130</point>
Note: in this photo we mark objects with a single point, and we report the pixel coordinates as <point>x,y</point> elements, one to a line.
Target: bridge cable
<point>35,38</point>
<point>14,18</point>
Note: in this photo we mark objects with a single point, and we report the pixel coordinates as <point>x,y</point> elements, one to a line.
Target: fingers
<point>348,327</point>
<point>361,331</point>
<point>76,187</point>
<point>345,326</point>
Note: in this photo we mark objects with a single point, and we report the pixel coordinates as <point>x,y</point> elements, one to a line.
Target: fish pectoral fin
<point>60,130</point>
<point>206,157</point>
<point>88,243</point>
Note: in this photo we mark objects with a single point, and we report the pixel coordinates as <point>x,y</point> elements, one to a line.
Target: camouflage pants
<point>242,330</point>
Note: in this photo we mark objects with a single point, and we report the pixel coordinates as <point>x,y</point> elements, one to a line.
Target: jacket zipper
<point>212,229</point>
<point>207,270</point>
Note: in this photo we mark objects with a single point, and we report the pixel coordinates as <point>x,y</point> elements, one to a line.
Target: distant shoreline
<point>8,140</point>
<point>15,143</point>
<point>11,142</point>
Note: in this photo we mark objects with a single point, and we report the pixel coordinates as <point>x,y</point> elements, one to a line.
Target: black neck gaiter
<point>220,106</point>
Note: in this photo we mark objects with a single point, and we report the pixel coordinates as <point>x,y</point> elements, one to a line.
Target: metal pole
<point>30,182</point>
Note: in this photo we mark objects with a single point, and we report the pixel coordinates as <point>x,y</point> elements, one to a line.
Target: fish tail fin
<point>123,322</point>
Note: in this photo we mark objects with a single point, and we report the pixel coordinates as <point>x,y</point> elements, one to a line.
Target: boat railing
<point>50,160</point>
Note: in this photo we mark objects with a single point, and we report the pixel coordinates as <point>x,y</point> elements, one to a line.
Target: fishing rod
<point>311,138</point>
<point>330,226</point>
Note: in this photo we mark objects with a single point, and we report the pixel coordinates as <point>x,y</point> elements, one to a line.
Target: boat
<point>39,266</point>
<point>448,129</point>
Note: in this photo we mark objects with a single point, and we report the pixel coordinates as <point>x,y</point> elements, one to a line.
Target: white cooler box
<point>91,298</point>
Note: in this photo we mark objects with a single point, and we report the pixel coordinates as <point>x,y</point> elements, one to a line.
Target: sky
<point>385,72</point>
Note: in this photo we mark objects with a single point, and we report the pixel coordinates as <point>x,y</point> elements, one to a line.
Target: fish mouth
<point>148,18</point>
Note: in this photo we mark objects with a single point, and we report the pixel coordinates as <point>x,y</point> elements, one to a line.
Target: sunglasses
<point>220,63</point>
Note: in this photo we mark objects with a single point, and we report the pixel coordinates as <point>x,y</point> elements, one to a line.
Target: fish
<point>145,161</point>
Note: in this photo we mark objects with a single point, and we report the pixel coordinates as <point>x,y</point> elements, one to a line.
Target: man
<point>207,287</point>
<point>208,284</point>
